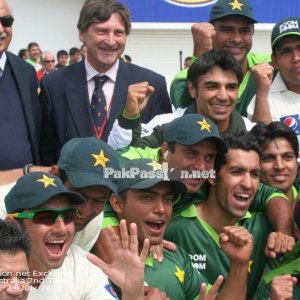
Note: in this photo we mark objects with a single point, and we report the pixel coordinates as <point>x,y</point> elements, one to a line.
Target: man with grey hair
<point>70,96</point>
<point>48,62</point>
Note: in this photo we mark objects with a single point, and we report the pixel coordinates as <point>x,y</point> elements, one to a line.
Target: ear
<point>212,181</point>
<point>81,37</point>
<point>9,219</point>
<point>116,203</point>
<point>192,89</point>
<point>164,151</point>
<point>54,170</point>
<point>274,63</point>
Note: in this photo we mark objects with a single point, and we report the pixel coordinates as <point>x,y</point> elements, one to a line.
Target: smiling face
<point>237,183</point>
<point>216,96</point>
<point>150,209</point>
<point>234,34</point>
<point>279,165</point>
<point>5,32</point>
<point>95,196</point>
<point>287,60</point>
<point>105,42</point>
<point>49,243</point>
<point>198,157</point>
<point>14,283</point>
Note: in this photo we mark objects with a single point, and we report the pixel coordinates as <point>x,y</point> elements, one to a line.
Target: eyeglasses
<point>6,21</point>
<point>49,61</point>
<point>48,216</point>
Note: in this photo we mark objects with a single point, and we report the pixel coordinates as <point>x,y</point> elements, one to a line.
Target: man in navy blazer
<point>66,93</point>
<point>20,114</point>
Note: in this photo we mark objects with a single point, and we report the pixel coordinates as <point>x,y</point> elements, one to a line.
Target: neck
<point>213,214</point>
<point>37,273</point>
<point>244,66</point>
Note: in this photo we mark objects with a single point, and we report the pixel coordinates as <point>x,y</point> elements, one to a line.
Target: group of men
<point>209,189</point>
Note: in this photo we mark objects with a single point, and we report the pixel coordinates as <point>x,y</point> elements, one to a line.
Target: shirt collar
<point>278,85</point>
<point>91,72</point>
<point>3,60</point>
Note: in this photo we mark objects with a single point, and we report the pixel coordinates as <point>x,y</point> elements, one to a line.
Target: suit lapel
<point>78,101</point>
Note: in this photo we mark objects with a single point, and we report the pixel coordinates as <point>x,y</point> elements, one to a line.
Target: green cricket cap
<point>286,27</point>
<point>144,173</point>
<point>34,189</point>
<point>191,129</point>
<point>225,8</point>
<point>84,161</point>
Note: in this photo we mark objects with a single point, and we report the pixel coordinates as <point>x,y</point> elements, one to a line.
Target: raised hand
<point>127,268</point>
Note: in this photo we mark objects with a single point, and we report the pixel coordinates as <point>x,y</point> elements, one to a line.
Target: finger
<point>154,252</point>
<point>169,245</point>
<point>133,238</point>
<point>97,262</point>
<point>145,251</point>
<point>215,288</point>
<point>271,241</point>
<point>124,234</point>
<point>291,243</point>
<point>202,295</point>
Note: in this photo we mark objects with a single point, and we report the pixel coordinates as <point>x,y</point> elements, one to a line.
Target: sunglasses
<point>48,216</point>
<point>6,21</point>
<point>49,61</point>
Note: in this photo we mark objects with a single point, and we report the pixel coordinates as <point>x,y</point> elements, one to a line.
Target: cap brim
<point>221,145</point>
<point>177,186</point>
<point>85,179</point>
<point>41,198</point>
<point>233,14</point>
<point>279,38</point>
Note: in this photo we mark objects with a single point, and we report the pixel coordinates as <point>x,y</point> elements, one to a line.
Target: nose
<point>279,164</point>
<point>159,207</point>
<point>110,39</point>
<point>236,37</point>
<point>59,226</point>
<point>222,94</point>
<point>296,55</point>
<point>247,182</point>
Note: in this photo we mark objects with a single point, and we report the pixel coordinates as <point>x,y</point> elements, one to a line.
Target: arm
<point>262,74</point>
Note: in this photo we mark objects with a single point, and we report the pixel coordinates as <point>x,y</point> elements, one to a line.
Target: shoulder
<point>256,58</point>
<point>19,64</point>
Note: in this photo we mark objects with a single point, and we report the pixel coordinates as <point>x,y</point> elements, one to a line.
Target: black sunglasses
<point>7,21</point>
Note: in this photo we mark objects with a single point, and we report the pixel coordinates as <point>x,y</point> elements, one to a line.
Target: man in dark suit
<point>20,116</point>
<point>67,94</point>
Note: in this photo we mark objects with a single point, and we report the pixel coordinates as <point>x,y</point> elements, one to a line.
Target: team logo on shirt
<point>292,121</point>
<point>191,3</point>
<point>180,275</point>
<point>112,292</point>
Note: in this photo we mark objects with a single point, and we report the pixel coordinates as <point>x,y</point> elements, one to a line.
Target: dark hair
<point>236,140</point>
<point>32,44</point>
<point>62,175</point>
<point>74,51</point>
<point>210,59</point>
<point>13,238</point>
<point>100,11</point>
<point>61,53</point>
<point>267,133</point>
<point>22,53</point>
<point>297,214</point>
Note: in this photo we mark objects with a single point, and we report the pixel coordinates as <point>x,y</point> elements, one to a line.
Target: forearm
<point>262,110</point>
<point>280,214</point>
<point>235,286</point>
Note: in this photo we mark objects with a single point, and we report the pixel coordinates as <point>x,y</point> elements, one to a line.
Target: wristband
<point>26,169</point>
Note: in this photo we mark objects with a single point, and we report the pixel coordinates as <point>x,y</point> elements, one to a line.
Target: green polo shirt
<point>201,241</point>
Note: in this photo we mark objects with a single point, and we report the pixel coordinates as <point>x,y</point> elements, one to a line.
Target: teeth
<point>56,242</point>
<point>244,196</point>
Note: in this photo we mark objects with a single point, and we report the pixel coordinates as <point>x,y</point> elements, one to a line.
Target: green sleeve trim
<point>110,221</point>
<point>128,123</point>
<point>276,194</point>
<point>295,193</point>
<point>132,118</point>
<point>194,58</point>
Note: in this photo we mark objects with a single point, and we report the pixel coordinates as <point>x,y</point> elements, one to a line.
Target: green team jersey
<point>174,275</point>
<point>201,241</point>
<point>180,96</point>
<point>288,263</point>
